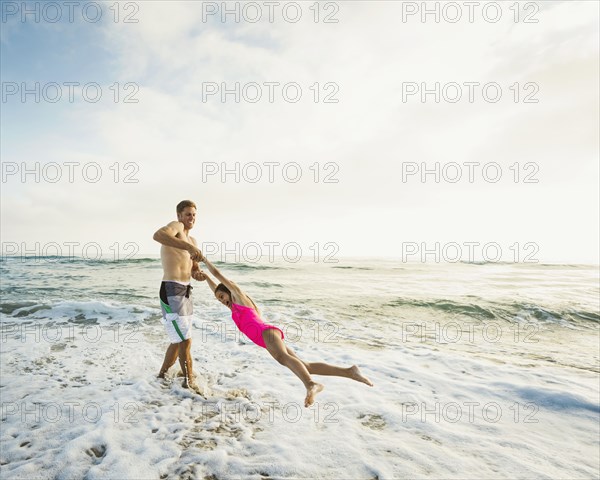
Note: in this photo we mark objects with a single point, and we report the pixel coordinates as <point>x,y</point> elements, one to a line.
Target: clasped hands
<point>197,273</point>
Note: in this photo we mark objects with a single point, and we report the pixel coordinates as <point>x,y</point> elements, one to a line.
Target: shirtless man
<point>179,255</point>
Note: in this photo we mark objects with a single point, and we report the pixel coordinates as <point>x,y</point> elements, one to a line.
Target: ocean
<point>480,371</point>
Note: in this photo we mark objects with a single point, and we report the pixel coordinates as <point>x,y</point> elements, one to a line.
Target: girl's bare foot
<point>356,375</point>
<point>311,393</point>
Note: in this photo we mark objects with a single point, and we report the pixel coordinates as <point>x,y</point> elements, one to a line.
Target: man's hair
<point>181,206</point>
<point>223,288</point>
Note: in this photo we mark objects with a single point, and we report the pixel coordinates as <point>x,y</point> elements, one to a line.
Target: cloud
<point>171,134</point>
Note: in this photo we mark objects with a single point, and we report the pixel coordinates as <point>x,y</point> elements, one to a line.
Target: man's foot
<point>187,383</point>
<point>311,393</point>
<point>356,375</point>
<point>193,386</point>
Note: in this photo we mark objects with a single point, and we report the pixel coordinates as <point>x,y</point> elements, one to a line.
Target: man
<point>179,255</point>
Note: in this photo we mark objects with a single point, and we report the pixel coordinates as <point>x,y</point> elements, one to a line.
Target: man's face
<point>187,217</point>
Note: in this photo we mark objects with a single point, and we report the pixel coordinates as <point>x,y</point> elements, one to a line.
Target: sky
<point>341,169</point>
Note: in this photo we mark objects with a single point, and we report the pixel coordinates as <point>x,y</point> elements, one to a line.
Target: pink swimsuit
<point>250,324</point>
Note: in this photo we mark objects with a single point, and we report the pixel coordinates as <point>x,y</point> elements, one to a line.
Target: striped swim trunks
<point>177,307</point>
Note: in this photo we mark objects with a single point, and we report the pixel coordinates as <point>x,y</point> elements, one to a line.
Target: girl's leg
<point>277,349</point>
<point>319,368</point>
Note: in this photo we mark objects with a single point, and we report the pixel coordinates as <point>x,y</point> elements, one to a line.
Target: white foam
<point>254,422</point>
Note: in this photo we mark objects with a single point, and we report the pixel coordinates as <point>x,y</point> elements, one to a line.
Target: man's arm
<point>196,259</point>
<point>168,236</point>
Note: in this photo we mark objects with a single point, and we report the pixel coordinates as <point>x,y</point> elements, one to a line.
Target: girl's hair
<point>223,288</point>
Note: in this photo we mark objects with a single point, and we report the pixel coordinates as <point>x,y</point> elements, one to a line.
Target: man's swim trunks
<point>176,304</point>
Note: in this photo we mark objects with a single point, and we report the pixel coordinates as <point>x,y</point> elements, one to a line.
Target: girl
<point>247,317</point>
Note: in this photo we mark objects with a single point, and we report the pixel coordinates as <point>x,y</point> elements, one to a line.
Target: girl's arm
<point>211,284</point>
<point>238,295</point>
<point>202,276</point>
<point>232,286</point>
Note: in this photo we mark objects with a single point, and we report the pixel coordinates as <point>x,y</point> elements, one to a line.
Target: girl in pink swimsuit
<point>246,316</point>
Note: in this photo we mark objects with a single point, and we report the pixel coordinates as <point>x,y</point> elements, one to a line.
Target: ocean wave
<point>447,306</point>
<point>345,267</point>
<point>245,266</point>
<point>586,316</point>
<point>8,308</point>
<point>484,262</point>
<point>266,284</point>
<point>55,259</point>
<point>80,311</point>
<point>510,312</point>
<point>565,266</point>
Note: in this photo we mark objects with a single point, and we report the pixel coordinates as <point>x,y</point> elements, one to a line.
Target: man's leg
<point>170,358</point>
<point>185,361</point>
